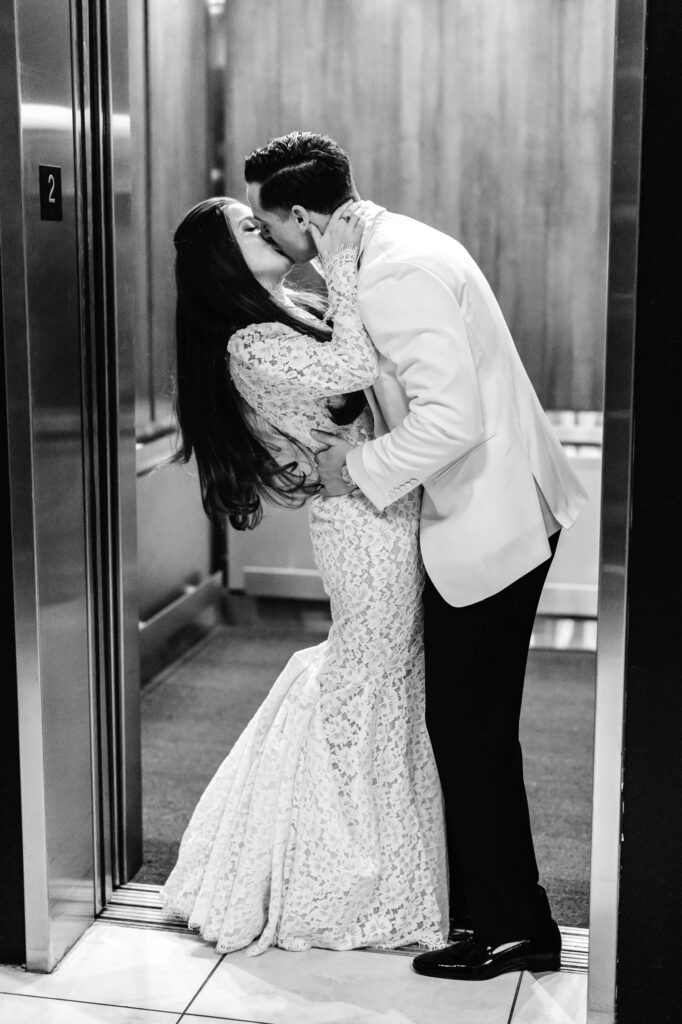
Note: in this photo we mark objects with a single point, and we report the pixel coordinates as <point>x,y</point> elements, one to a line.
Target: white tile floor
<point>120,975</point>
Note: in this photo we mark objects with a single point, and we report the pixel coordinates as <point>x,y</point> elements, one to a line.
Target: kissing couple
<point>376,798</point>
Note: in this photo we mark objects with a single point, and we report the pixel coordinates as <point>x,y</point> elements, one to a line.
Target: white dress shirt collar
<point>372,212</point>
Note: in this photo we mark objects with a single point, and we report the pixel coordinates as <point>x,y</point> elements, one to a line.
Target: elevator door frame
<point>627,115</point>
<point>612,611</point>
<point>103,160</point>
<point>616,484</point>
<point>111,476</point>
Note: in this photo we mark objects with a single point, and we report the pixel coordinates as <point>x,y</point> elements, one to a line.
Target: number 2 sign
<point>50,192</point>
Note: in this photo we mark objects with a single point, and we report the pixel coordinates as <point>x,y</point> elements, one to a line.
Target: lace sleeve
<point>272,355</point>
<point>341,278</point>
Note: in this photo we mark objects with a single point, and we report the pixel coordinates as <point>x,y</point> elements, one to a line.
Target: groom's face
<point>286,230</point>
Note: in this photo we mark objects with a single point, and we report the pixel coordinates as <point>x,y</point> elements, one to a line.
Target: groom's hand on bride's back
<point>330,461</point>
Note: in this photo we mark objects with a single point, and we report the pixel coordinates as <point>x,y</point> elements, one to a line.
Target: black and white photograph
<point>341,367</point>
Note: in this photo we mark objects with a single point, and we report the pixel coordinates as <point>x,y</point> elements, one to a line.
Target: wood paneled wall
<point>489,120</point>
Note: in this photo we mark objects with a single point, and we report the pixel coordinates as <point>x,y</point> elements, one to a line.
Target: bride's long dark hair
<point>217,295</point>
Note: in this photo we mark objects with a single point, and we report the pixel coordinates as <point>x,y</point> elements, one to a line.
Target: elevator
<point>90,498</point>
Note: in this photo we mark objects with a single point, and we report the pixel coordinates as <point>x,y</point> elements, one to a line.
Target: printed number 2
<point>50,188</point>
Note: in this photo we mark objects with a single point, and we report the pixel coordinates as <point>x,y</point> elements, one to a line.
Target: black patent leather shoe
<point>469,959</point>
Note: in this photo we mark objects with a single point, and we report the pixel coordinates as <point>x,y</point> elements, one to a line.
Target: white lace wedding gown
<point>323,826</point>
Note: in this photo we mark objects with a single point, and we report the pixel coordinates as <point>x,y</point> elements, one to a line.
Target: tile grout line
<point>128,1006</point>
<point>223,1020</point>
<point>201,987</point>
<point>516,996</point>
<point>205,982</point>
<point>88,1002</point>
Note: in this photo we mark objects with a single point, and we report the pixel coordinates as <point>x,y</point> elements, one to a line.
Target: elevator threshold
<point>139,905</point>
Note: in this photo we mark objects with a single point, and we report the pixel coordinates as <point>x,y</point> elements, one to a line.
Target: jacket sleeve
<point>416,322</point>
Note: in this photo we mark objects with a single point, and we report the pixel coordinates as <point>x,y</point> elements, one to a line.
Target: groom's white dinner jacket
<point>456,412</point>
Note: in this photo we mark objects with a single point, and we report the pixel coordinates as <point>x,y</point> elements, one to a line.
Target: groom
<point>456,413</point>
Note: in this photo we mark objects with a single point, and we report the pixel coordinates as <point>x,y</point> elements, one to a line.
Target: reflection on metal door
<point>67,447</point>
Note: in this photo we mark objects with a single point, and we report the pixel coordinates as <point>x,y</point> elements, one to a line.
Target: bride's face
<point>267,264</point>
<point>288,232</point>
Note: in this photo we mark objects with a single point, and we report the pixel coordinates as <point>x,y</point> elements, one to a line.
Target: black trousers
<point>475,668</point>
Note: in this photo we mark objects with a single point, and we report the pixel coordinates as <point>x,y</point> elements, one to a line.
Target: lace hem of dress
<point>256,946</point>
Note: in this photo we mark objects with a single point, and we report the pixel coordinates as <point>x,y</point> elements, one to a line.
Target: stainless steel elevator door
<point>66,302</point>
<point>55,703</point>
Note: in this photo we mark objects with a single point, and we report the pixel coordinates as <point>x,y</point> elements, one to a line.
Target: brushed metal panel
<point>616,485</point>
<point>55,697</point>
<point>296,584</point>
<point>180,625</point>
<point>125,505</point>
<point>20,457</point>
<point>138,69</point>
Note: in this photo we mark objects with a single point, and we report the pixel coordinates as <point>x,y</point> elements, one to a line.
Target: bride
<point>323,826</point>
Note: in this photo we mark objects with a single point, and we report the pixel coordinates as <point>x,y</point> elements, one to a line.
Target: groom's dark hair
<point>301,168</point>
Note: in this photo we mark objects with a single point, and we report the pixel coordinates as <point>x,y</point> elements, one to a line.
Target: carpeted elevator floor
<point>193,712</point>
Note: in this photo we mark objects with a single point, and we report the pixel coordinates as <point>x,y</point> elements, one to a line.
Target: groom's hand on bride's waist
<point>331,460</point>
